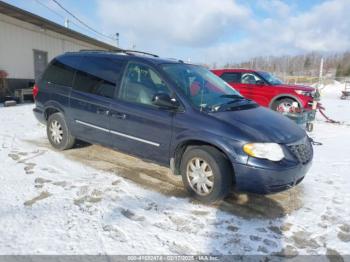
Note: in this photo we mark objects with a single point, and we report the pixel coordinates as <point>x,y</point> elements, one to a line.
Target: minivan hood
<point>262,125</point>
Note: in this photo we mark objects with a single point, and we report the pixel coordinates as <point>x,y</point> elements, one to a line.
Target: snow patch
<point>53,204</point>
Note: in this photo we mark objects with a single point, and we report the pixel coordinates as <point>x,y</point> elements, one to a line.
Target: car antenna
<point>202,92</point>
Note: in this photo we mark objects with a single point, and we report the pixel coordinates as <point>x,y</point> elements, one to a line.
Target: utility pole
<point>320,81</point>
<point>117,39</point>
<point>66,23</point>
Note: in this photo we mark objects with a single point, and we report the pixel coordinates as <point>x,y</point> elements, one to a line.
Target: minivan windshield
<point>205,90</point>
<point>270,78</point>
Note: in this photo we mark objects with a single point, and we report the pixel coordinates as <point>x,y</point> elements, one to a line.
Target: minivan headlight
<point>270,151</point>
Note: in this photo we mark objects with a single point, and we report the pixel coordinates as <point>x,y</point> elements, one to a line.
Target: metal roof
<point>44,23</point>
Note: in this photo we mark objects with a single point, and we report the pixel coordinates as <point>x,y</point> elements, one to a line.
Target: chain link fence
<point>311,80</point>
<point>337,86</point>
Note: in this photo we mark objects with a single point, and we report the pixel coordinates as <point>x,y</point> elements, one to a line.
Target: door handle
<point>118,115</point>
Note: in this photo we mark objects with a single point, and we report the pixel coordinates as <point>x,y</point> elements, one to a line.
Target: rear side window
<point>233,77</point>
<point>98,75</point>
<point>61,70</point>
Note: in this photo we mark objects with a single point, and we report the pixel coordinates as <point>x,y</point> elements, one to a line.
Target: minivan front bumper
<point>266,180</point>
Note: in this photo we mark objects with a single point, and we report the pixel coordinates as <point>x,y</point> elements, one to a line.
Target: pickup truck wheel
<point>58,133</point>
<point>206,173</point>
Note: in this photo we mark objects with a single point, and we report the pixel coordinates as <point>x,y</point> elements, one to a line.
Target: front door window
<point>249,78</point>
<point>140,85</point>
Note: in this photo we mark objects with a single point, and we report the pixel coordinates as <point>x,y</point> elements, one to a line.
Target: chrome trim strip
<point>134,138</point>
<point>118,133</point>
<point>93,126</point>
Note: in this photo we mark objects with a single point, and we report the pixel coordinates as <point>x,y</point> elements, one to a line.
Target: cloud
<point>325,28</point>
<point>275,7</point>
<point>181,22</point>
<point>227,30</point>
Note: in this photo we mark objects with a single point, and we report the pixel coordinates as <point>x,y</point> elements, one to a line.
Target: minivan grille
<point>302,151</point>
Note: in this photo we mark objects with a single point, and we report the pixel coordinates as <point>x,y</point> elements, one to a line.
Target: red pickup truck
<point>267,90</point>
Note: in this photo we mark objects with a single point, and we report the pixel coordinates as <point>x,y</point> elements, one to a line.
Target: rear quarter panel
<point>53,96</point>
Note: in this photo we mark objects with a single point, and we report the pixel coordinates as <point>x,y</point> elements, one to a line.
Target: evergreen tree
<point>339,71</point>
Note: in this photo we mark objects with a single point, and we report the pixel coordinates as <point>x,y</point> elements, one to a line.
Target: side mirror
<point>165,101</point>
<point>260,82</point>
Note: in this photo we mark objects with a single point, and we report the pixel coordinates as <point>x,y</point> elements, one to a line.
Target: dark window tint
<point>61,70</point>
<point>98,75</point>
<point>231,77</point>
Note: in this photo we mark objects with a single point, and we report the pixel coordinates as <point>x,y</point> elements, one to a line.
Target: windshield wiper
<point>240,100</point>
<point>233,96</point>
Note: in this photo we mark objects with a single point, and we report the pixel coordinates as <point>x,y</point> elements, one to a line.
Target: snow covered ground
<point>92,200</point>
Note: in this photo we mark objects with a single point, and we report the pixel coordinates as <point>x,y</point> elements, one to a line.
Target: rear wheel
<point>206,173</point>
<point>284,105</point>
<point>58,133</point>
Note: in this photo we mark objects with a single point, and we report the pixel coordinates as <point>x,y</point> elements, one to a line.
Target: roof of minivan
<point>233,70</point>
<point>154,60</point>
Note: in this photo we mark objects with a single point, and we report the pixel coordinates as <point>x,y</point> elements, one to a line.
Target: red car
<point>267,90</point>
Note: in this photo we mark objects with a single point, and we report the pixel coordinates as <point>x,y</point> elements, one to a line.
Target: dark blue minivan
<point>174,114</point>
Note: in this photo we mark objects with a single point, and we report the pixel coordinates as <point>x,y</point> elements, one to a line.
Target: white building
<point>28,42</point>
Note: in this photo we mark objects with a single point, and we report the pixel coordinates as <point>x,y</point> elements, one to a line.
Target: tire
<point>309,127</point>
<point>58,132</point>
<point>286,101</point>
<point>221,170</point>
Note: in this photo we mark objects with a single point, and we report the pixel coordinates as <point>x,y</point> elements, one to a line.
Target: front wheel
<point>58,132</point>
<point>284,105</point>
<point>206,173</point>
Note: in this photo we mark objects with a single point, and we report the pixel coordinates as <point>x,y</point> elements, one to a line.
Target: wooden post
<point>3,87</point>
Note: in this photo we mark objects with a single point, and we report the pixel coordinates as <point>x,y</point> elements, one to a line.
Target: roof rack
<point>97,50</point>
<point>177,60</point>
<point>128,52</point>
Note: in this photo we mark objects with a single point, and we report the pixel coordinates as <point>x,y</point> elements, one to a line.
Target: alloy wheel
<point>56,132</point>
<point>284,107</point>
<point>200,176</point>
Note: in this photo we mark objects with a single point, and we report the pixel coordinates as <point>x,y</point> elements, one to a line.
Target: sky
<point>209,31</point>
